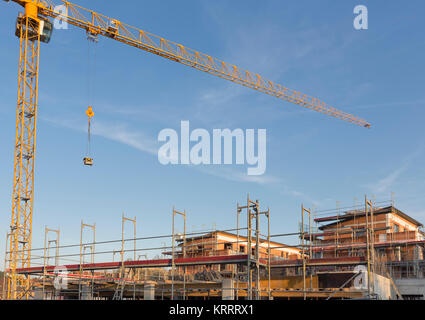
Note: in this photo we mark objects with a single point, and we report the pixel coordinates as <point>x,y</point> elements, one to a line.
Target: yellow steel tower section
<point>23,183</point>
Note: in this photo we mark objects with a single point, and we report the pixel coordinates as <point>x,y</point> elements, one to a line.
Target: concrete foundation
<point>149,291</point>
<point>228,289</point>
<point>383,288</point>
<point>38,294</point>
<point>86,293</point>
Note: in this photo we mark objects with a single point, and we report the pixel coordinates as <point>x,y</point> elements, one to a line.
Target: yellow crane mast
<point>33,27</point>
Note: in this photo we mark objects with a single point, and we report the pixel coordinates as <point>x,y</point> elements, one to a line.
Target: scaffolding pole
<point>46,254</point>
<point>183,214</point>
<point>93,228</point>
<point>303,211</point>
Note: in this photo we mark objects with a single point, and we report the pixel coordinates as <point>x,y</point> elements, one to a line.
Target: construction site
<point>369,251</point>
<point>365,252</point>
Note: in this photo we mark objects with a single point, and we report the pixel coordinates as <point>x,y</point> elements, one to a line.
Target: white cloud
<point>122,134</point>
<point>385,184</point>
<point>116,132</point>
<point>237,176</point>
<point>298,194</point>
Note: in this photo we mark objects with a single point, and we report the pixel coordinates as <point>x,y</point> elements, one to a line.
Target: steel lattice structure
<point>23,183</point>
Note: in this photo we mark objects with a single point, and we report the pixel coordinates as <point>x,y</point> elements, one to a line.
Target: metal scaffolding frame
<point>253,212</point>
<point>183,214</point>
<point>304,257</point>
<point>119,291</point>
<point>370,242</point>
<point>82,251</point>
<point>46,255</point>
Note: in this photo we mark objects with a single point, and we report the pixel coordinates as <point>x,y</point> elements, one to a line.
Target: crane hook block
<point>89,112</point>
<point>88,162</point>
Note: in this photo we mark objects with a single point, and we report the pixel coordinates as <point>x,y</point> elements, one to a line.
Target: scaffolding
<point>83,252</point>
<point>46,255</point>
<point>253,254</point>
<point>303,254</point>
<point>119,290</point>
<point>173,265</point>
<point>240,263</point>
<point>371,234</point>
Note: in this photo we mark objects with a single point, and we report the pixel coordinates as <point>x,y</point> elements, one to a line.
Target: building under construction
<point>374,252</point>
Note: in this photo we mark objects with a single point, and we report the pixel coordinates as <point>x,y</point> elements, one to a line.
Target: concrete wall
<point>149,291</point>
<point>228,289</point>
<point>411,287</point>
<point>86,293</point>
<point>38,294</point>
<point>383,288</point>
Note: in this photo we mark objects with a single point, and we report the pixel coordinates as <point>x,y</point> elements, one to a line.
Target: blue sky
<point>310,46</point>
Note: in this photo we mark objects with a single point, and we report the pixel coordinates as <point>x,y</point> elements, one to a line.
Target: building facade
<point>219,243</point>
<point>396,238</point>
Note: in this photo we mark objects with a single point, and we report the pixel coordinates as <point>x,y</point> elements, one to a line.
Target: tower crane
<point>35,26</point>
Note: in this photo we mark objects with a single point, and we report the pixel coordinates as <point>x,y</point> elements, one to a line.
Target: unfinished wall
<point>383,288</point>
<point>411,288</point>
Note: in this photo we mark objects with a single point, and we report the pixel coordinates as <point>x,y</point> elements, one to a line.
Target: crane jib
<point>98,24</point>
